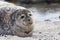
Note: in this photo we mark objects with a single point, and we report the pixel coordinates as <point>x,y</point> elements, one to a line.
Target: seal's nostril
<point>28,19</point>
<point>27,32</point>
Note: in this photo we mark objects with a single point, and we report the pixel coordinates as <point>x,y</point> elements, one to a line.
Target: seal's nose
<point>28,19</point>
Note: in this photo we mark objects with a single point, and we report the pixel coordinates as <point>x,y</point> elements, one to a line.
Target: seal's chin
<point>27,30</point>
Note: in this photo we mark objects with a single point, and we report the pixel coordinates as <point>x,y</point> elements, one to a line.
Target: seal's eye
<point>22,16</point>
<point>30,14</point>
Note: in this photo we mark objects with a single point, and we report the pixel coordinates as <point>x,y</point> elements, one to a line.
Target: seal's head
<point>23,20</point>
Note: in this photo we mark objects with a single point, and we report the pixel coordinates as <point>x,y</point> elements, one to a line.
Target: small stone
<point>40,32</point>
<point>39,39</point>
<point>47,20</point>
<point>58,33</point>
<point>5,36</point>
<point>56,39</point>
<point>59,16</point>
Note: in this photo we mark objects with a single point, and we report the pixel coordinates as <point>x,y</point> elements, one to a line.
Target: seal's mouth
<point>28,24</point>
<point>27,32</point>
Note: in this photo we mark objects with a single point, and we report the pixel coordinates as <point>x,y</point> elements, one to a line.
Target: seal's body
<point>15,20</point>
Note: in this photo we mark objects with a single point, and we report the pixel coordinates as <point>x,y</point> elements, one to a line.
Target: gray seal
<point>15,20</point>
